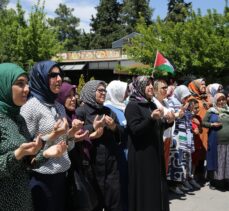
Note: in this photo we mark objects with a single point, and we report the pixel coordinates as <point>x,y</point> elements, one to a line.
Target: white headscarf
<point>115,94</point>
<point>181,92</point>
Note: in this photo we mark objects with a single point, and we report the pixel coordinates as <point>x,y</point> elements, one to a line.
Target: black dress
<point>104,156</point>
<point>147,180</point>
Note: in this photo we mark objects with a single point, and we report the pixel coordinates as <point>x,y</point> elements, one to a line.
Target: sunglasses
<point>54,75</point>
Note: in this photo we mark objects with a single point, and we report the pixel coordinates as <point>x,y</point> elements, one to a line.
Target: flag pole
<point>155,60</point>
<point>154,64</point>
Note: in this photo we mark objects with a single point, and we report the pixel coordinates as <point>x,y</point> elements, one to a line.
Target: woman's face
<point>149,90</point>
<point>203,87</point>
<point>162,89</point>
<point>70,102</point>
<point>20,90</point>
<point>55,80</point>
<point>221,102</point>
<point>100,94</point>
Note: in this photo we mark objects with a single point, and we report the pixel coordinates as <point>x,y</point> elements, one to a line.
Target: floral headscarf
<point>139,86</point>
<point>194,88</point>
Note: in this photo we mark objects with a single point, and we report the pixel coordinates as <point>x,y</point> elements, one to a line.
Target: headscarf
<point>8,75</point>
<point>194,88</point>
<point>181,92</point>
<point>216,109</point>
<point>39,81</point>
<point>62,96</point>
<point>88,92</point>
<point>139,86</point>
<point>212,89</point>
<point>116,91</point>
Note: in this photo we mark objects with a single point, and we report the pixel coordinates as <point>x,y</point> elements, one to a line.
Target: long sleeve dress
<point>104,157</point>
<point>14,178</point>
<point>147,180</point>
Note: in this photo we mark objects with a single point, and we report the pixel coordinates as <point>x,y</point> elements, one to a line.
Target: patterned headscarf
<point>181,92</point>
<point>194,88</point>
<point>116,91</point>
<point>39,81</point>
<point>212,90</point>
<point>8,75</point>
<point>62,96</point>
<point>139,86</point>
<point>88,92</point>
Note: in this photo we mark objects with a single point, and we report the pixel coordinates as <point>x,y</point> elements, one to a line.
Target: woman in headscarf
<point>160,99</point>
<point>217,120</point>
<point>182,144</point>
<point>198,89</point>
<point>212,90</point>
<point>43,114</point>
<point>105,150</point>
<point>116,94</point>
<point>147,178</point>
<point>15,145</point>
<point>79,156</point>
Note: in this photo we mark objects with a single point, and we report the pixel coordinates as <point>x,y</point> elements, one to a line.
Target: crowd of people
<point>119,147</point>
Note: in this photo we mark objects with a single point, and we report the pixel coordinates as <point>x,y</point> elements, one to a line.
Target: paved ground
<point>202,200</point>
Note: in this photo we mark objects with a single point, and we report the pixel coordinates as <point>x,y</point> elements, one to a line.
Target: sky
<point>84,9</point>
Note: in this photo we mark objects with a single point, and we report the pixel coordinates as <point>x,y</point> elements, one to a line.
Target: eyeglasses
<point>54,74</point>
<point>102,91</point>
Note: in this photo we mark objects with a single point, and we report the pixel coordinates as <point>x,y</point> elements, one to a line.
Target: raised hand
<point>99,122</point>
<point>170,117</point>
<point>156,114</point>
<point>76,126</point>
<point>81,135</point>
<point>56,151</point>
<point>110,123</point>
<point>96,134</point>
<point>30,148</point>
<point>61,127</point>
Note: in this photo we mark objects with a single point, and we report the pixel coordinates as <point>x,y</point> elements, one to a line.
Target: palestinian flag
<point>162,64</point>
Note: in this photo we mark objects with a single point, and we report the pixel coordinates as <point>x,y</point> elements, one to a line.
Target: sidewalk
<point>201,200</point>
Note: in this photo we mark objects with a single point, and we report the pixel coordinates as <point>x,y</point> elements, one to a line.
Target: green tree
<point>84,41</point>
<point>132,10</point>
<point>26,42</point>
<point>66,25</point>
<point>106,26</point>
<point>198,46</point>
<point>12,36</point>
<point>3,4</point>
<point>178,10</point>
